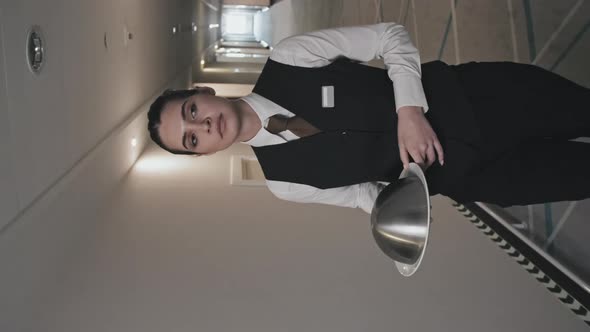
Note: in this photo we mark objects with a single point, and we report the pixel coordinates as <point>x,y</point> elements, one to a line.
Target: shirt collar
<point>264,108</point>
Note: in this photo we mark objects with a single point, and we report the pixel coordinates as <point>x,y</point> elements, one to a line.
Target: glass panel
<point>560,230</point>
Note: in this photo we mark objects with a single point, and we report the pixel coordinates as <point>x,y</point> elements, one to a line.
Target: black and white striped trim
<point>539,269</point>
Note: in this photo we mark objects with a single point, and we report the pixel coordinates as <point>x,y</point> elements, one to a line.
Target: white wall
<point>177,248</point>
<point>53,119</point>
<point>36,251</point>
<point>66,132</point>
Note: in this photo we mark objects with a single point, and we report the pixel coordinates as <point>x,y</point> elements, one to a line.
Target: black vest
<point>358,142</point>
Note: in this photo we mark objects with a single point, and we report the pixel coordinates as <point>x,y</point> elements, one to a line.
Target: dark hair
<point>155,112</point>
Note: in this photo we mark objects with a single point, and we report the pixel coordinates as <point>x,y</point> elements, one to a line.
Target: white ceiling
<point>50,121</point>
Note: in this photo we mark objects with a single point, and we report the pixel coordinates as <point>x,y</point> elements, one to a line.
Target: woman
<point>499,131</point>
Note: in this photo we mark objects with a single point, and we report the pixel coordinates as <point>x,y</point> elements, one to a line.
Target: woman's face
<point>202,123</point>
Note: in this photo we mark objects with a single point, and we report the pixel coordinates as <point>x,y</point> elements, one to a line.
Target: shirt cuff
<point>368,195</point>
<point>408,91</point>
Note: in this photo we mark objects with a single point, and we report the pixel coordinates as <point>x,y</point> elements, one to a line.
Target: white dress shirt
<point>389,41</point>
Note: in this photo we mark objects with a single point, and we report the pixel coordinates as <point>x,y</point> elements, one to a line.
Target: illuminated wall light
<point>134,142</point>
<point>211,26</point>
<point>195,28</point>
<point>161,163</point>
<point>174,30</point>
<point>237,55</point>
<point>202,62</point>
<point>237,70</point>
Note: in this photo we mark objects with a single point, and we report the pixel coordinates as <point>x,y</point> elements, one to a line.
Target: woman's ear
<point>205,90</point>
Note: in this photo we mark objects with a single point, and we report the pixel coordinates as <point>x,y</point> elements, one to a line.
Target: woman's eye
<point>193,110</point>
<point>194,140</point>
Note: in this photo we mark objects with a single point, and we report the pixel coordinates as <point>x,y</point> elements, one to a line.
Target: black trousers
<point>527,117</point>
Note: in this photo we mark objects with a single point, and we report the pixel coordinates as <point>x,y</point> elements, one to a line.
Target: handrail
<point>490,210</point>
<point>573,292</point>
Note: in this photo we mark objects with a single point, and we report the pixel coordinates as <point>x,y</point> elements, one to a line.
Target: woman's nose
<point>202,126</point>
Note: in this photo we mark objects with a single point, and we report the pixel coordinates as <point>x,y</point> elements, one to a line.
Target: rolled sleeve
<point>368,194</point>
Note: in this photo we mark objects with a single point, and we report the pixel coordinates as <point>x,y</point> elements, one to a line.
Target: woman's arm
<point>389,41</point>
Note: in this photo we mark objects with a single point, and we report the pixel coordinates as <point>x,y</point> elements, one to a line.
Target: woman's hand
<point>416,137</point>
